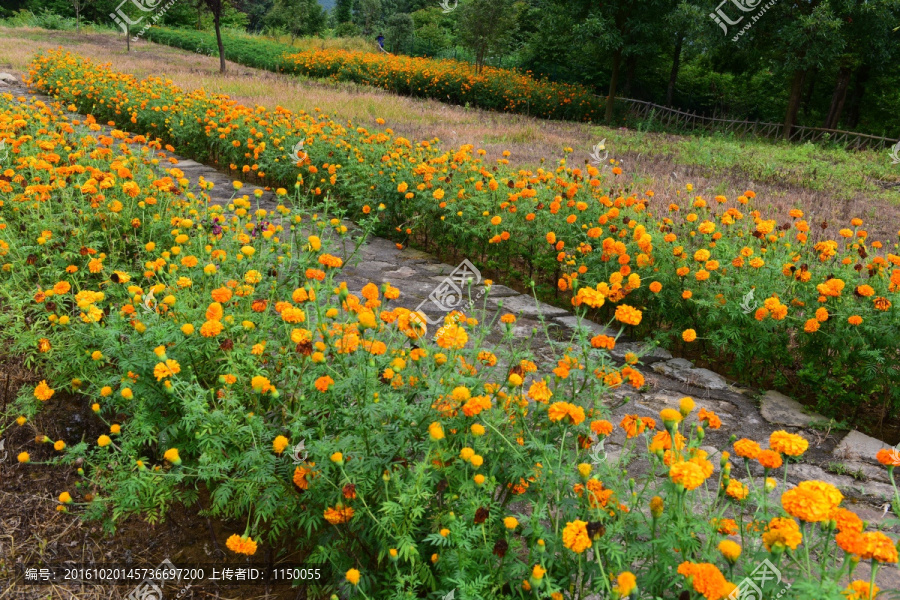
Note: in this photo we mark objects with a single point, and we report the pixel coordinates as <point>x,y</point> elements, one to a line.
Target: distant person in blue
<point>380,41</point>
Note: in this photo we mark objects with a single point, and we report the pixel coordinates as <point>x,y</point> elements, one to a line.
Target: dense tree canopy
<point>825,63</point>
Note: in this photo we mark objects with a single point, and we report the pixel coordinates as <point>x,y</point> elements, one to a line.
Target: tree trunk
<point>216,19</point>
<point>673,74</point>
<point>630,67</point>
<point>613,82</point>
<point>128,37</point>
<point>77,18</point>
<point>790,117</point>
<point>838,97</point>
<point>813,75</point>
<point>856,96</point>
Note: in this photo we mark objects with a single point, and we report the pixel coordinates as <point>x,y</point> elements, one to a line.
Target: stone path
<point>845,460</point>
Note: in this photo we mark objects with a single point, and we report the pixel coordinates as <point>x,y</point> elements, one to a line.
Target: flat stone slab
<point>573,322</point>
<point>648,358</point>
<point>778,409</point>
<point>7,78</point>
<point>527,306</point>
<point>683,371</point>
<point>859,445</point>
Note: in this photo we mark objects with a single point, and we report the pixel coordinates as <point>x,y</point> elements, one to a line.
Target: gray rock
<point>8,79</point>
<point>875,473</point>
<point>526,306</point>
<point>402,272</point>
<point>501,291</point>
<point>681,370</point>
<point>869,490</point>
<point>778,409</point>
<point>371,267</point>
<point>573,322</point>
<point>859,445</point>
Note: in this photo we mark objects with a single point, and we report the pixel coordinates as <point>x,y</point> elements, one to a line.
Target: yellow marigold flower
<point>575,536</point>
<point>59,446</point>
<point>279,444</point>
<point>479,479</point>
<point>584,469</point>
<point>670,416</point>
<point>65,498</point>
<point>103,441</point>
<point>477,461</point>
<point>478,429</point>
<point>171,456</point>
<point>510,522</point>
<point>337,458</point>
<point>686,406</point>
<point>352,576</point>
<point>187,329</point>
<point>435,431</point>
<point>656,507</point>
<point>23,457</point>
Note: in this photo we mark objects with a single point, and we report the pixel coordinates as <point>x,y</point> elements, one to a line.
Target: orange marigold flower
<point>628,315</point>
<point>746,448</point>
<point>790,444</point>
<point>241,545</point>
<point>575,536</point>
<point>687,474</point>
<point>769,459</point>
<point>783,533</point>
<point>324,383</point>
<point>43,392</point>
<point>339,514</point>
<point>889,457</point>
<point>706,580</point>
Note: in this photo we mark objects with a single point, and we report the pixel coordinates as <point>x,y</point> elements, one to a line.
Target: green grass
<point>824,168</point>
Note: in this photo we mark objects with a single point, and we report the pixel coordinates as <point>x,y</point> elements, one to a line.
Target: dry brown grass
<point>650,164</point>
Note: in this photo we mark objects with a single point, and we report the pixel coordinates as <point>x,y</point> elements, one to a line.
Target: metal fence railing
<point>799,133</point>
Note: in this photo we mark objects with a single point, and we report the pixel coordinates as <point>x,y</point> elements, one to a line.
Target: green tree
<point>487,27</point>
<point>296,17</point>
<point>400,33</point>
<point>343,11</point>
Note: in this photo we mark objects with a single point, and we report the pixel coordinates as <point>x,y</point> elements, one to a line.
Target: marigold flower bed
<point>212,343</point>
<point>446,80</point>
<point>817,318</point>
